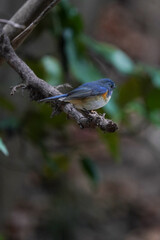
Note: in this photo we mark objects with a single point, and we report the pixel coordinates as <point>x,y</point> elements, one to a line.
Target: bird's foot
<point>88,111</point>
<point>92,111</point>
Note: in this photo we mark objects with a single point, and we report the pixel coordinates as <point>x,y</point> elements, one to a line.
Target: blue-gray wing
<point>85,91</point>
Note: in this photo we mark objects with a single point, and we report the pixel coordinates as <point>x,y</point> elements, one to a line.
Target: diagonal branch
<point>18,40</point>
<point>28,15</point>
<point>38,88</point>
<point>13,24</point>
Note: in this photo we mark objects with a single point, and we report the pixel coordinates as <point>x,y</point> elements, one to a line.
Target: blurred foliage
<point>53,70</point>
<point>112,55</point>
<point>137,92</point>
<point>78,63</point>
<point>112,142</point>
<point>6,104</point>
<point>90,169</point>
<point>2,237</point>
<point>3,148</point>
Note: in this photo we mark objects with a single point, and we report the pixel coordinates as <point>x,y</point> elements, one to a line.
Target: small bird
<point>88,96</point>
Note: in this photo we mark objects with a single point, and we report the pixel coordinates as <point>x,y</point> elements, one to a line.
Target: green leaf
<point>154,117</point>
<point>113,55</point>
<point>81,67</point>
<point>90,169</point>
<point>69,17</point>
<point>154,73</point>
<point>156,78</point>
<point>53,70</point>
<point>121,61</point>
<point>113,143</point>
<point>3,148</point>
<point>152,99</point>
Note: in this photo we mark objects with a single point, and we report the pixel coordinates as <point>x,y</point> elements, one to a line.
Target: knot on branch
<point>34,93</point>
<point>93,120</point>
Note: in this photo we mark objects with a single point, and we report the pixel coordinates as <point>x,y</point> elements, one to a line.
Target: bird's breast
<point>91,103</point>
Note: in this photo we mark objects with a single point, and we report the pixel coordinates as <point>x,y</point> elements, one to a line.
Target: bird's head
<point>108,83</point>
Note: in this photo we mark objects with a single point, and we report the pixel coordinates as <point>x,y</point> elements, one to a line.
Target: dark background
<point>61,182</point>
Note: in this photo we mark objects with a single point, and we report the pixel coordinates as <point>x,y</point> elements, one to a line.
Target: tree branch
<point>38,89</point>
<point>18,40</point>
<point>15,25</point>
<point>28,15</point>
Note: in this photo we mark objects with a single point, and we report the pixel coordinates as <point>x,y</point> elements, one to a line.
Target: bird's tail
<point>53,98</point>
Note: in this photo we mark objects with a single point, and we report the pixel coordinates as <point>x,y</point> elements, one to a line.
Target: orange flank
<point>105,95</point>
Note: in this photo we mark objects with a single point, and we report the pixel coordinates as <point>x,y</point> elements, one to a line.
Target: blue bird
<point>88,96</point>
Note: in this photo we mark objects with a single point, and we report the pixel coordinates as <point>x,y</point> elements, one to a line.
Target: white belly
<point>91,103</point>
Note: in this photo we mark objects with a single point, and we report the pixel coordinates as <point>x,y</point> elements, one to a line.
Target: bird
<point>88,96</point>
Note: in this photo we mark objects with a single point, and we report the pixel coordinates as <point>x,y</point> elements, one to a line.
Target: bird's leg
<point>89,114</point>
<point>92,111</point>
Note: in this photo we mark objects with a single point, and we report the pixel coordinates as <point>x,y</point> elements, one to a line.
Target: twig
<point>14,89</point>
<point>31,12</point>
<point>15,25</point>
<point>24,34</point>
<point>38,88</point>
